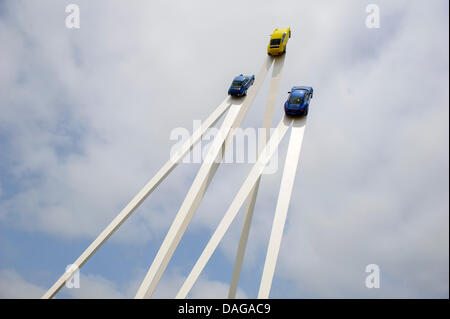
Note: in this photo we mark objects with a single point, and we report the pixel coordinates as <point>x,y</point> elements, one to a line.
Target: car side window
<point>284,37</point>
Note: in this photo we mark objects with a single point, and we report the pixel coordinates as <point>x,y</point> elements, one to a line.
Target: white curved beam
<point>287,183</point>
<point>267,124</point>
<point>140,197</point>
<point>198,188</point>
<point>232,211</point>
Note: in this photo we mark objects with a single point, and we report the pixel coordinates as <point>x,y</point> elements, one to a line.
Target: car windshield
<point>275,42</point>
<point>237,83</point>
<point>296,100</point>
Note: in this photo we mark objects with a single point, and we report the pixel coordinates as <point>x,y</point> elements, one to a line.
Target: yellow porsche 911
<point>278,41</point>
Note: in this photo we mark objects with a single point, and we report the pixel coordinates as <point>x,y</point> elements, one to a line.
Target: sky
<point>86,117</point>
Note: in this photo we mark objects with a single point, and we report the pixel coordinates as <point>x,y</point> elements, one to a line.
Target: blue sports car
<point>298,101</point>
<point>241,84</point>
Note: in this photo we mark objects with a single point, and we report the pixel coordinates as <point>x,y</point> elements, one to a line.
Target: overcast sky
<point>86,115</point>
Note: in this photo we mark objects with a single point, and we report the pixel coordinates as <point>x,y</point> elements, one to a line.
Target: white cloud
<point>204,288</point>
<point>95,287</point>
<point>213,289</point>
<point>87,116</point>
<point>13,286</point>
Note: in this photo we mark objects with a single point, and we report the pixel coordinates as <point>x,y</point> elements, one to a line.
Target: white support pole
<point>141,196</point>
<point>251,96</point>
<point>237,123</point>
<point>267,123</point>
<point>287,183</point>
<point>186,212</point>
<point>232,211</point>
<point>198,188</point>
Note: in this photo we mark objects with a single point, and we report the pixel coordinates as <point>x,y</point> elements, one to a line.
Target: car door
<point>307,98</point>
<point>245,84</point>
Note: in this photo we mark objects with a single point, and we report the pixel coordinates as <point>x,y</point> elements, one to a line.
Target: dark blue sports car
<point>241,84</point>
<point>298,101</point>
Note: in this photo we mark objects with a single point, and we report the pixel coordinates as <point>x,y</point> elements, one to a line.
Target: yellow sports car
<point>278,41</point>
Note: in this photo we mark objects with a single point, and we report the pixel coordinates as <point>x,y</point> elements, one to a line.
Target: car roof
<point>296,93</point>
<point>307,88</point>
<point>278,33</point>
<point>240,78</point>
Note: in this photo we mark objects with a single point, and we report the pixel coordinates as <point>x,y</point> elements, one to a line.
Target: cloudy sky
<point>86,115</point>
